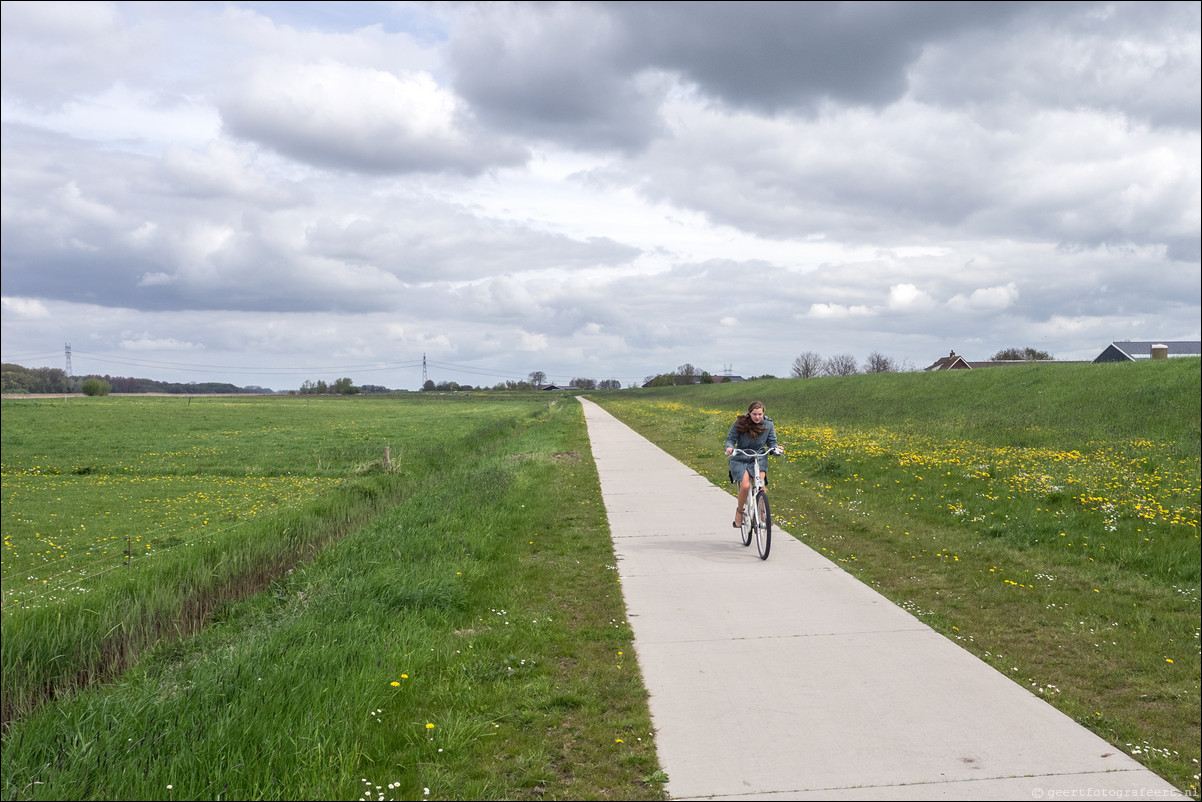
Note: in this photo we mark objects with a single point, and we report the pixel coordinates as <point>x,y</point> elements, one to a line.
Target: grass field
<point>298,621</point>
<point>238,598</point>
<point>1045,517</point>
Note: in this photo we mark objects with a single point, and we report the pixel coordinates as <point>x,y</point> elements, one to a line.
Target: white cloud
<point>838,311</point>
<point>223,169</point>
<point>145,342</point>
<point>986,299</point>
<point>907,297</point>
<point>74,203</point>
<point>367,119</point>
<point>532,342</point>
<point>156,279</point>
<point>610,188</point>
<point>28,308</point>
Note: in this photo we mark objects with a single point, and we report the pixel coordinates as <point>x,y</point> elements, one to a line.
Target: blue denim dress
<point>740,464</point>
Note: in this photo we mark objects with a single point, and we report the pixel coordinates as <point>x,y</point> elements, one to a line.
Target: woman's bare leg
<point>744,489</point>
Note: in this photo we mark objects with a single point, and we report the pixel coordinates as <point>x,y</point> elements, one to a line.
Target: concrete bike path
<point>791,679</point>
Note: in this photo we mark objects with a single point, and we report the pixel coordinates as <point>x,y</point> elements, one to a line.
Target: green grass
<point>1045,517</point>
<point>469,640</point>
<point>294,616</point>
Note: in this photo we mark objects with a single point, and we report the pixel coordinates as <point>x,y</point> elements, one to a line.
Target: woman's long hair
<point>745,425</point>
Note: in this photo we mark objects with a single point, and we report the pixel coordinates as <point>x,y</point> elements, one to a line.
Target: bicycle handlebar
<point>765,452</point>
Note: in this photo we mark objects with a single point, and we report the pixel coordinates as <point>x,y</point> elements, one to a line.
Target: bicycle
<point>757,514</point>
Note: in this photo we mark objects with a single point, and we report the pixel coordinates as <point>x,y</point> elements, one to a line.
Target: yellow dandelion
<point>429,726</point>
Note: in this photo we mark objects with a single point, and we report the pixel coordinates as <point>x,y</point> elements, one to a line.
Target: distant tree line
<point>124,384</point>
<point>684,374</point>
<point>535,381</point>
<point>343,386</point>
<point>1027,354</point>
<point>810,364</point>
<point>19,379</point>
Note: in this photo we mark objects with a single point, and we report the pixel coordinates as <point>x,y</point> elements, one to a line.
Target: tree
<point>1027,354</point>
<point>807,365</point>
<point>879,363</point>
<point>685,373</point>
<point>840,365</point>
<point>429,385</point>
<point>584,384</point>
<point>344,387</point>
<point>52,380</point>
<point>537,377</point>
<point>95,386</point>
<point>20,379</point>
<point>609,384</point>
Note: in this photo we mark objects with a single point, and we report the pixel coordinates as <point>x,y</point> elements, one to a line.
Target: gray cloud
<point>209,231</point>
<point>1139,60</point>
<point>772,57</point>
<point>551,71</point>
<point>606,189</point>
<point>362,119</point>
<point>55,53</point>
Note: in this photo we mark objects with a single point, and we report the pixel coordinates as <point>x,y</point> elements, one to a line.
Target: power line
<point>275,370</point>
<point>198,367</point>
<point>15,357</point>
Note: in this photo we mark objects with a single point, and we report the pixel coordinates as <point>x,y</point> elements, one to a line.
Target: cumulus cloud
<point>547,70</point>
<point>836,311</point>
<point>144,342</point>
<point>53,53</point>
<point>532,342</point>
<point>1123,58</point>
<point>985,299</point>
<point>362,119</point>
<point>908,298</point>
<point>621,186</point>
<point>29,308</point>
<point>222,170</point>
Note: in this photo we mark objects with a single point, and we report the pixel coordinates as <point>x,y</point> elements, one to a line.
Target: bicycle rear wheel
<point>763,532</point>
<point>745,529</point>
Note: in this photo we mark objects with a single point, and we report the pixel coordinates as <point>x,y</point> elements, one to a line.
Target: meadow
<point>242,598</point>
<point>1045,517</point>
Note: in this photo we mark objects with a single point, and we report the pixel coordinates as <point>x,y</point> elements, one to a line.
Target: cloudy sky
<point>263,193</point>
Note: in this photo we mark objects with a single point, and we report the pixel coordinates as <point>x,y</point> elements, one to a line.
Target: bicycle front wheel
<point>745,529</point>
<point>763,532</point>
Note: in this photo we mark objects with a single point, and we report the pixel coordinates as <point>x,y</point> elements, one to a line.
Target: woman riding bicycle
<point>751,432</point>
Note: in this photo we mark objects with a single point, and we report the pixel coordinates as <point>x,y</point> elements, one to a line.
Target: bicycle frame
<point>757,517</point>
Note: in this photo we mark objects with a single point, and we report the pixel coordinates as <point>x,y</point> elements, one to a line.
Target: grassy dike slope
<point>467,643</point>
<point>1045,517</point>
